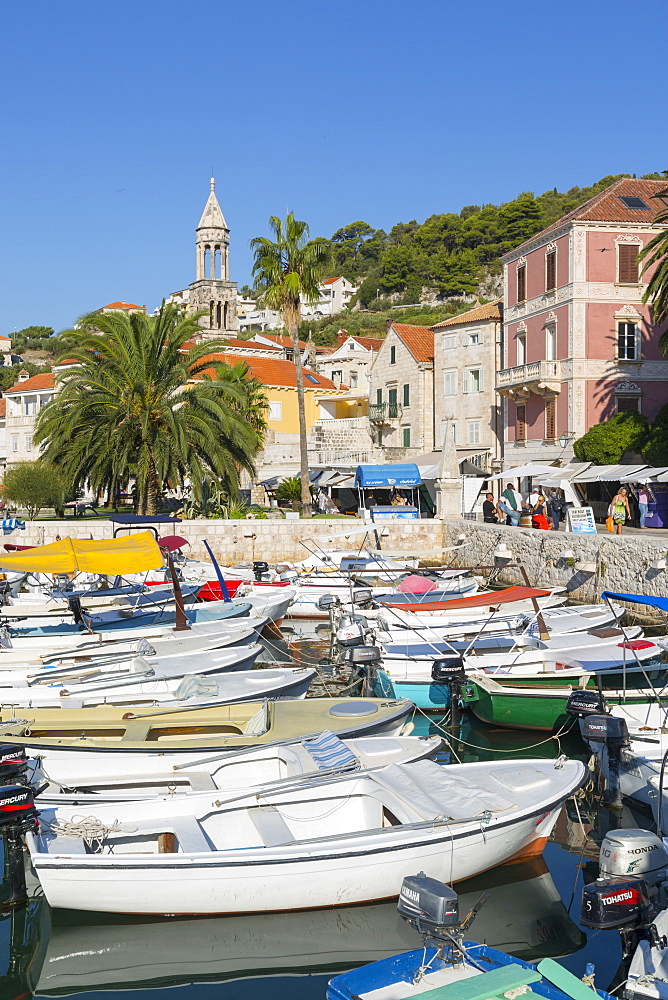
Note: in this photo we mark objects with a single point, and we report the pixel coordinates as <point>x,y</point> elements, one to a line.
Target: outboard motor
<point>585,702</point>
<point>17,814</point>
<point>364,659</point>
<point>433,909</point>
<point>363,597</point>
<point>260,568</point>
<point>74,604</point>
<point>328,602</point>
<point>450,671</point>
<point>352,630</point>
<point>610,732</point>
<point>636,853</point>
<point>13,764</point>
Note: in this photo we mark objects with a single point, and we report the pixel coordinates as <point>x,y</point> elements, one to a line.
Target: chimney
<point>341,337</point>
<point>23,375</point>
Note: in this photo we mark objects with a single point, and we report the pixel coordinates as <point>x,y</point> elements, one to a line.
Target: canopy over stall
<point>392,478</point>
<point>387,475</point>
<point>528,469</point>
<point>111,557</point>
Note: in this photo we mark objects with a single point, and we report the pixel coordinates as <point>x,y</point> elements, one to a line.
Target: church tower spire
<point>212,291</point>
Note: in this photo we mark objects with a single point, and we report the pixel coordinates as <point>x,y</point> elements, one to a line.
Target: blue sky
<point>115,113</point>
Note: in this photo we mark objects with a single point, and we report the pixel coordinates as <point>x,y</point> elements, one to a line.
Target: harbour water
<point>532,912</point>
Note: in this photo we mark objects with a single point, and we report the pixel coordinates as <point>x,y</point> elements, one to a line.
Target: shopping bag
<point>610,524</point>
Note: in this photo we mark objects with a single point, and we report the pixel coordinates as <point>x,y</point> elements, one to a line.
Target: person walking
<point>511,505</point>
<point>619,509</point>
<point>643,503</point>
<point>555,505</point>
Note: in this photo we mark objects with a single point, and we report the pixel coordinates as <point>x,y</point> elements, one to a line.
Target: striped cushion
<point>327,750</point>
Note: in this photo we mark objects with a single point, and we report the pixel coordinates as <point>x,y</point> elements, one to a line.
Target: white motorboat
<point>85,780</point>
<point>141,685</point>
<point>557,621</point>
<point>85,954</point>
<point>334,841</point>
<point>40,649</point>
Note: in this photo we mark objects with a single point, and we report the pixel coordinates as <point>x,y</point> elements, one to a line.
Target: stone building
<point>579,345</point>
<point>401,391</point>
<point>212,292</point>
<point>467,355</point>
<point>23,403</point>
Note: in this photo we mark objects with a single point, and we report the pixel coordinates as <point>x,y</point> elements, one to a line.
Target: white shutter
<point>465,382</point>
<point>481,378</point>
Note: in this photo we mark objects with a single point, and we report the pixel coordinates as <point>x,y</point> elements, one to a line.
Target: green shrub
<point>607,443</point>
<point>34,485</point>
<point>290,489</point>
<point>655,449</point>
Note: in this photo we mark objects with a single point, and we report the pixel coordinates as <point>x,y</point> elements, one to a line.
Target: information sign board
<point>581,520</point>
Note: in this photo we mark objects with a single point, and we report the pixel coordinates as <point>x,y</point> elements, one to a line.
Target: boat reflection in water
<point>524,915</point>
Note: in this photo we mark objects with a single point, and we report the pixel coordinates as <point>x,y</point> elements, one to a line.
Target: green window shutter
<point>393,355</point>
<point>379,396</point>
<point>407,437</point>
<point>407,395</point>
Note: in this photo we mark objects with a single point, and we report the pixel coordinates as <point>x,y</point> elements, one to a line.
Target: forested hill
<point>453,254</point>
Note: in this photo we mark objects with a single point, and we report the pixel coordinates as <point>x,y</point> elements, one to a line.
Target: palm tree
<point>142,401</point>
<point>287,272</point>
<point>655,255</point>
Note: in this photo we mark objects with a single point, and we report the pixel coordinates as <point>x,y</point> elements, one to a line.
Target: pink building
<point>579,345</point>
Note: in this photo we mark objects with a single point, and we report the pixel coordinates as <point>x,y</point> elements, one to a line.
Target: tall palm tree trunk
<point>293,327</point>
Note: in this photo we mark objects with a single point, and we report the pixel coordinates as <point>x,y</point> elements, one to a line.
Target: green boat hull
<point>543,710</point>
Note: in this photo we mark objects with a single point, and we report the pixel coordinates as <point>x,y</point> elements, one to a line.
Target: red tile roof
<point>281,341</point>
<point>418,339</point>
<point>371,343</point>
<point>492,310</point>
<point>123,305</point>
<point>46,380</point>
<point>3,407</point>
<point>607,206</point>
<point>275,371</point>
<point>4,338</point>
<point>330,281</point>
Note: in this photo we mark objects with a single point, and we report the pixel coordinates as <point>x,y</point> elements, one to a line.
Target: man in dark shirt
<point>489,511</point>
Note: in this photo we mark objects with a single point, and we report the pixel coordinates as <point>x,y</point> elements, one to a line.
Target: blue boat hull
<point>404,968</point>
<point>427,696</point>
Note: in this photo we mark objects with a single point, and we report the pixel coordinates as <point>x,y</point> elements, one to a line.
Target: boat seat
<point>489,985</point>
<point>67,845</point>
<point>189,834</point>
<point>271,826</point>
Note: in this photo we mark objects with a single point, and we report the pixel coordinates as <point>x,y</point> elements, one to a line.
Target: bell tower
<point>212,292</point>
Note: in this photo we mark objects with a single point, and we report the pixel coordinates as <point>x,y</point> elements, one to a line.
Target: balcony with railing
<point>382,413</point>
<point>541,377</point>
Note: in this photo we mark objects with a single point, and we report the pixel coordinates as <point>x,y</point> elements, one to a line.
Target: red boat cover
<point>507,596</point>
<point>415,584</point>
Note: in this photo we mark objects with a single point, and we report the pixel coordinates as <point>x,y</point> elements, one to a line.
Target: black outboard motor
<point>13,764</point>
<point>17,814</point>
<point>611,732</point>
<point>584,702</point>
<point>74,604</point>
<point>364,659</point>
<point>450,671</point>
<point>363,597</point>
<point>433,909</point>
<point>260,568</point>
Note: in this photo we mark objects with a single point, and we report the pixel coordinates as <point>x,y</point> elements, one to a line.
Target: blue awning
<point>387,475</point>
<point>653,602</point>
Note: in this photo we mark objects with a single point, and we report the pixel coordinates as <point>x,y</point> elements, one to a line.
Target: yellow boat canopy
<point>113,556</point>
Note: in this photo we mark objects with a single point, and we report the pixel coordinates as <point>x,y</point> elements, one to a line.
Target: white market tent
<point>534,469</point>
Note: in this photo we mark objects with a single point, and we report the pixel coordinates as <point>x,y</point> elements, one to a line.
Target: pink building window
<point>550,418</point>
<point>521,423</point>
<point>550,270</point>
<point>628,345</point>
<point>628,404</point>
<point>627,263</point>
<point>521,283</point>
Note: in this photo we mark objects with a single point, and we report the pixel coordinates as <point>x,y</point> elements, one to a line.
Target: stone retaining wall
<point>619,563</point>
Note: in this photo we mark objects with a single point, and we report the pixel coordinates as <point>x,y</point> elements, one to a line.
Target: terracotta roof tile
<point>276,371</point>
<point>123,305</point>
<point>250,345</point>
<point>46,380</point>
<point>607,206</point>
<point>3,407</point>
<point>330,281</point>
<point>418,339</point>
<point>371,343</point>
<point>281,341</point>
<point>492,310</point>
